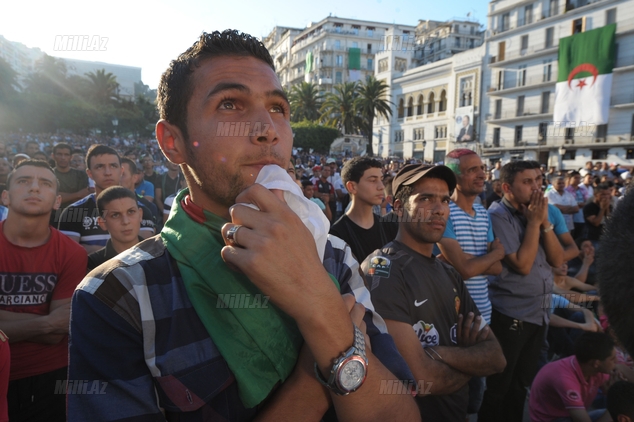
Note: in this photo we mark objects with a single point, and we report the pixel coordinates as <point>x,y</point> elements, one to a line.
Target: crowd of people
<point>136,285</point>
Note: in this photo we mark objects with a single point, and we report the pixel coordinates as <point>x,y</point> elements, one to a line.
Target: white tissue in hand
<point>275,177</point>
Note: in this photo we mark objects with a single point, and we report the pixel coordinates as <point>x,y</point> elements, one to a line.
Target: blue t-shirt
<point>556,218</point>
<point>145,189</point>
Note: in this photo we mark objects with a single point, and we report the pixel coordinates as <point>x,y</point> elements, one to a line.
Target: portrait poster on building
<point>463,130</point>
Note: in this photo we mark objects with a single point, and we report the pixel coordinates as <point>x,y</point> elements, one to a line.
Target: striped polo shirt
<point>474,235</point>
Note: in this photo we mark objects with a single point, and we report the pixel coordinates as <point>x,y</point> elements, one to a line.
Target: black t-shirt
<point>72,181</point>
<point>154,179</point>
<point>492,198</point>
<point>428,295</point>
<point>592,232</point>
<point>362,241</point>
<point>168,185</point>
<point>102,255</point>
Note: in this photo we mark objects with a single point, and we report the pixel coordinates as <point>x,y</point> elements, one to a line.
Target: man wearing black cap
<point>410,288</point>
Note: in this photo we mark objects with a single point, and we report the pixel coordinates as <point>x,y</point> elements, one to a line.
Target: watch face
<point>352,375</point>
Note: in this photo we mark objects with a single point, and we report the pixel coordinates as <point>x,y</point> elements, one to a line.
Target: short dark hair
<point>112,193</point>
<point>510,170</point>
<point>31,143</point>
<point>130,162</point>
<point>34,163</point>
<point>574,173</point>
<point>620,400</point>
<point>603,186</point>
<point>403,194</point>
<point>353,170</point>
<point>97,150</point>
<point>590,346</point>
<point>616,266</point>
<point>387,182</point>
<point>306,183</point>
<point>534,164</point>
<point>62,145</point>
<point>175,88</point>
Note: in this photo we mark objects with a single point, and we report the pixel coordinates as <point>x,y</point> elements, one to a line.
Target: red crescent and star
<point>585,67</point>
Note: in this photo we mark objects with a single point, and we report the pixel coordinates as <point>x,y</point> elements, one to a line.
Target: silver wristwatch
<point>349,370</point>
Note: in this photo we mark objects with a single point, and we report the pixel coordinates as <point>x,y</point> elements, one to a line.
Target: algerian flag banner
<point>584,81</point>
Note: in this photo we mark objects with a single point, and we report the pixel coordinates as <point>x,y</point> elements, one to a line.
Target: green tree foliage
<point>54,100</point>
<point>372,101</point>
<point>313,135</point>
<point>339,110</point>
<point>305,101</point>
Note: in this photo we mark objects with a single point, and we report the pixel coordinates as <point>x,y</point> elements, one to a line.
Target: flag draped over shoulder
<point>584,81</point>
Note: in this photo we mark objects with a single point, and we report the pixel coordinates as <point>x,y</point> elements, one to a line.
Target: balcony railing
<point>528,82</point>
<point>526,113</point>
<point>516,54</point>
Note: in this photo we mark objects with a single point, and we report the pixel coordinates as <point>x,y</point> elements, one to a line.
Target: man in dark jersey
<point>361,228</point>
<point>450,341</point>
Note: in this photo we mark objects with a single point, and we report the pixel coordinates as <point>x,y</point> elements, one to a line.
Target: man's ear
<point>5,198</point>
<point>506,188</point>
<point>351,187</point>
<point>171,141</point>
<point>58,202</point>
<point>102,223</point>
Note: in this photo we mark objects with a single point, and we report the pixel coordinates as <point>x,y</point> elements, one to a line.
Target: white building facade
<point>520,73</point>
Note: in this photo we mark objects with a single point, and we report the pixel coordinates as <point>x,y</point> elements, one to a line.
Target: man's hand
<point>588,259</point>
<point>537,209</point>
<point>469,332</point>
<point>497,249</point>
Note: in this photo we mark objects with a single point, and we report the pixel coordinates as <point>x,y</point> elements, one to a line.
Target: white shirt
<point>567,199</point>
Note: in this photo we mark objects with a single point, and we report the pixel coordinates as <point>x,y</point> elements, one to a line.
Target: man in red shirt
<point>39,270</point>
<point>565,389</point>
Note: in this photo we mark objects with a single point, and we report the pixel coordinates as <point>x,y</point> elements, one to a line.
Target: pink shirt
<point>559,386</point>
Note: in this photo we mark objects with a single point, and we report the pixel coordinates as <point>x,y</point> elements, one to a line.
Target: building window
<point>610,16</point>
<point>496,137</point>
<point>521,75</point>
<point>355,44</point>
<point>473,30</point>
<point>520,106</point>
<point>419,133</point>
<point>457,43</point>
<point>518,134</point>
<point>578,25</point>
<point>545,102</point>
<point>401,109</point>
<point>338,78</point>
<point>355,29</point>
<point>383,65</point>
<point>337,45</point>
<point>505,21</point>
<point>370,32</point>
<point>410,107</point>
<point>524,42</point>
<point>570,133</point>
<point>339,61</point>
<point>542,134</point>
<point>370,65</point>
<point>398,136</point>
<point>431,105</point>
<point>570,154</point>
<point>599,154</point>
<point>602,131</point>
<point>400,65</point>
<point>550,36</point>
<point>554,8</point>
<point>498,108</point>
<point>471,42</point>
<point>500,80</point>
<point>442,106</point>
<point>548,70</point>
<point>440,132</point>
<point>629,153</point>
<point>369,48</point>
<point>528,14</point>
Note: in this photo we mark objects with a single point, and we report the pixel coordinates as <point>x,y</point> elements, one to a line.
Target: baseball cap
<point>316,168</point>
<point>412,173</point>
<point>331,160</point>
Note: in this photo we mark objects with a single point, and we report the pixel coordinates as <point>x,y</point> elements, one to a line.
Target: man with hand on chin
<point>173,327</point>
<point>517,294</point>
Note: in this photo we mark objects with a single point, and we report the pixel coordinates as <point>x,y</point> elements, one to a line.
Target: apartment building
<point>331,51</point>
<point>438,40</point>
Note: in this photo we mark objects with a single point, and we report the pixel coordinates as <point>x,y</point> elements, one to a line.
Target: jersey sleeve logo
<point>572,395</point>
<point>380,266</point>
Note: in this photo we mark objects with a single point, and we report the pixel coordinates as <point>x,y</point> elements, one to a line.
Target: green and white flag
<point>584,81</point>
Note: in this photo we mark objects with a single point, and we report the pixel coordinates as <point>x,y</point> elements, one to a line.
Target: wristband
<point>549,228</point>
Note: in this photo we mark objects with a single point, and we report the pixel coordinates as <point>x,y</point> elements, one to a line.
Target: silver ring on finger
<point>232,235</point>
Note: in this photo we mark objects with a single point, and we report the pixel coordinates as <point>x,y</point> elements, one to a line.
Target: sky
<point>148,34</point>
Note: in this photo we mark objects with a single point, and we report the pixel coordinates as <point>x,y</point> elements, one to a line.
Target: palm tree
<point>103,87</point>
<point>305,101</point>
<point>339,110</point>
<point>371,101</point>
